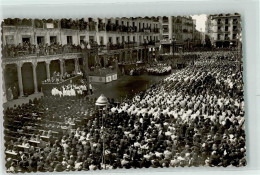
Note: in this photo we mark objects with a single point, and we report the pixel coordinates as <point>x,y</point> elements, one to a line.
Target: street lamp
<point>102,103</point>
<point>86,55</point>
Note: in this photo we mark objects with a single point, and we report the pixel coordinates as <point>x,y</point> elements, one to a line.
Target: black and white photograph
<point>84,94</point>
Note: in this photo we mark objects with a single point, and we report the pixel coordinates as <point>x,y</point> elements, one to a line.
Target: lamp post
<point>173,46</point>
<point>102,103</point>
<point>86,54</point>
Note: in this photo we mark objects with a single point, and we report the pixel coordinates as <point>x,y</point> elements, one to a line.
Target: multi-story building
<point>33,49</point>
<point>180,29</point>
<point>224,30</point>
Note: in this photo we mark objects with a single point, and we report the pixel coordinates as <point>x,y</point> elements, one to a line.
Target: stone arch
<point>70,65</point>
<point>54,67</point>
<point>27,77</point>
<point>41,74</point>
<point>11,80</point>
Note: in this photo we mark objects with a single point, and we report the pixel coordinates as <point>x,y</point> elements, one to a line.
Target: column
<point>137,55</point>
<point>34,66</point>
<point>141,55</point>
<point>61,67</point>
<point>64,66</point>
<point>3,85</point>
<point>125,56</point>
<point>131,55</point>
<point>76,62</point>
<point>48,70</point>
<point>120,56</point>
<point>20,78</point>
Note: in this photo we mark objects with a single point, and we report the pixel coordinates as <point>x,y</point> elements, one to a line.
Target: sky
<point>200,22</point>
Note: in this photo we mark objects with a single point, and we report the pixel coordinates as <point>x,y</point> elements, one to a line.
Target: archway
<point>11,81</point>
<point>27,76</point>
<point>54,67</point>
<point>70,65</point>
<point>41,74</point>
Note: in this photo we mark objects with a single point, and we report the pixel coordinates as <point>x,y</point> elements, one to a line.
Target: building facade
<point>33,49</point>
<point>179,29</point>
<point>224,30</point>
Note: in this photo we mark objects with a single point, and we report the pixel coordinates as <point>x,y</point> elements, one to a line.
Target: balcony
<point>156,30</point>
<point>165,31</point>
<point>115,46</point>
<point>220,24</point>
<point>130,44</point>
<point>178,21</point>
<point>185,31</point>
<point>101,27</point>
<point>40,58</point>
<point>227,24</point>
<point>18,22</point>
<point>227,38</point>
<point>92,26</point>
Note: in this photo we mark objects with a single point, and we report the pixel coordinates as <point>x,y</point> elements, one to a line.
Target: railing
<point>156,30</point>
<point>101,27</point>
<point>30,50</point>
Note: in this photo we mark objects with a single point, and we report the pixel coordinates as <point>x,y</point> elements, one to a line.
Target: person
<point>90,89</point>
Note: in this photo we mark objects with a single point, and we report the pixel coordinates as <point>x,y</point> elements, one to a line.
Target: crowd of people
<point>58,78</point>
<point>194,117</point>
<point>26,48</point>
<point>70,90</point>
<point>158,69</point>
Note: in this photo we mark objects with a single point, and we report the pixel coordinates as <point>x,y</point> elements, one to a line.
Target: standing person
<point>90,89</point>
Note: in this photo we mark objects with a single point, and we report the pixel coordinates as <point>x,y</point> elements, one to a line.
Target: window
<point>117,40</point>
<point>123,39</point>
<point>82,39</point>
<point>133,24</point>
<point>219,36</point>
<point>128,39</point>
<point>234,36</point>
<point>25,39</point>
<point>110,40</point>
<point>226,37</point>
<point>91,39</point>
<point>226,28</point>
<point>117,22</point>
<point>101,41</point>
<point>226,21</point>
<point>40,39</point>
<point>134,39</point>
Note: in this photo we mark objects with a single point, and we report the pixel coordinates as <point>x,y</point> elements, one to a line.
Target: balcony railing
<point>11,51</point>
<point>92,26</point>
<point>101,27</point>
<point>156,30</point>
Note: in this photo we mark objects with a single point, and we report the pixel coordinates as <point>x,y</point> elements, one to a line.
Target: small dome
<point>101,101</point>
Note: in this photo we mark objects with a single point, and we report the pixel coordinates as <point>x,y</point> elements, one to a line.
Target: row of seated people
<point>194,117</point>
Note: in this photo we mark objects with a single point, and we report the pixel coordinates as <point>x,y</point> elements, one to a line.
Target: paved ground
<point>126,86</point>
